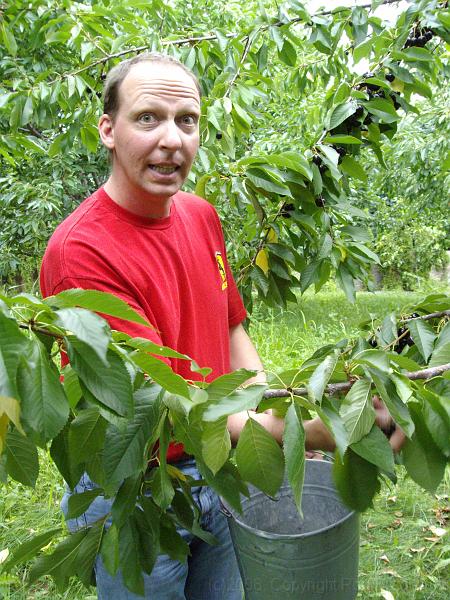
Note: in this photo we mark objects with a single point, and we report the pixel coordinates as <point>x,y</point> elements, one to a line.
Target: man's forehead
<point>160,79</point>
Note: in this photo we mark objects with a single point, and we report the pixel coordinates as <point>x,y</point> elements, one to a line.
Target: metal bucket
<point>283,556</point>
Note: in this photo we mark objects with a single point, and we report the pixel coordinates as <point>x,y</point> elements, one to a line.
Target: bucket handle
<point>225,511</point>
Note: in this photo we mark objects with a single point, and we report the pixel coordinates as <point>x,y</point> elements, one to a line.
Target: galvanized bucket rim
<point>230,513</point>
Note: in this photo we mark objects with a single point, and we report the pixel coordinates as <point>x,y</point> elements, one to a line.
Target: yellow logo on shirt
<point>221,267</point>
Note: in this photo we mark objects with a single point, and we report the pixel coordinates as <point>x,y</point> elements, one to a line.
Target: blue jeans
<point>211,572</point>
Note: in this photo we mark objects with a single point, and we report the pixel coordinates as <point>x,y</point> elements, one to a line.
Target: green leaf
<point>444,337</point>
<point>178,403</point>
<point>79,503</point>
<point>332,420</point>
<point>245,399</point>
<point>423,335</point>
<point>259,458</point>
<point>183,510</point>
<point>436,412</point>
<point>22,462</point>
<point>309,275</point>
<point>226,384</point>
<point>27,112</point>
<point>126,498</point>
<point>86,435</point>
<point>57,145</point>
<point>188,433</point>
<point>341,139</point>
<point>97,301</point>
<point>423,460</point>
<point>350,166</point>
<point>171,541</point>
<point>345,280</point>
<point>75,555</point>
<point>89,138</point>
<point>87,327</point>
<point>216,444</point>
<point>11,408</point>
<point>357,410</point>
<point>9,39</point>
<point>28,550</point>
<point>109,550</point>
<point>340,113</point>
<point>129,557</point>
<point>356,481</point>
<point>162,488</point>
<point>61,563</point>
<point>388,332</point>
<point>282,251</point>
<point>294,452</point>
<point>295,161</point>
<point>415,53</point>
<point>383,109</point>
<point>45,408</point>
<point>200,187</point>
<point>288,54</point>
<point>375,448</point>
<point>396,407</point>
<point>146,345</point>
<point>160,372</point>
<point>149,540</point>
<point>63,459</point>
<point>13,346</point>
<point>110,385</point>
<point>362,50</point>
<point>262,180</point>
<point>124,450</point>
<point>320,377</point>
<point>375,358</point>
<point>227,483</point>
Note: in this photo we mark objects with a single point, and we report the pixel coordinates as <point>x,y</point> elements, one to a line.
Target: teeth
<point>164,170</point>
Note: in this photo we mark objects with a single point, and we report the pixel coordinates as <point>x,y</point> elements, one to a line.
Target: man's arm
<point>243,354</point>
<point>317,437</point>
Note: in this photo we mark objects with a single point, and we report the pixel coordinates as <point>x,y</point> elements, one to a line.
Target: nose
<point>170,135</point>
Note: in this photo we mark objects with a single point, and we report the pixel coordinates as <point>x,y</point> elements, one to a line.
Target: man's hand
<point>387,425</point>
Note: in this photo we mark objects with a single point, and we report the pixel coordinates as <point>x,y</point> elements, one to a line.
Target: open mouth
<point>164,170</point>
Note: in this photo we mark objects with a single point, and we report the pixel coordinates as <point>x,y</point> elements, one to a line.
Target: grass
<point>402,549</point>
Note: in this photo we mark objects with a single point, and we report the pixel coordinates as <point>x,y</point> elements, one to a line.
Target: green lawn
<point>403,550</point>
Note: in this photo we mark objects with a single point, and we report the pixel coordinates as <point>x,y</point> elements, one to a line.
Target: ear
<point>106,131</point>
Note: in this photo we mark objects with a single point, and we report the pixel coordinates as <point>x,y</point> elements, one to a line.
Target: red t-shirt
<point>173,271</point>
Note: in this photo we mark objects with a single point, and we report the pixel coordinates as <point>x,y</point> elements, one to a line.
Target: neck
<point>137,202</point>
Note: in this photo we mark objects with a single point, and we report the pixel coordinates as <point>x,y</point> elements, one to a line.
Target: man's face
<point>154,136</point>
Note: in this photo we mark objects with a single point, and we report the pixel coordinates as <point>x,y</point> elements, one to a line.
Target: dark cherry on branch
<point>320,202</point>
<point>286,211</point>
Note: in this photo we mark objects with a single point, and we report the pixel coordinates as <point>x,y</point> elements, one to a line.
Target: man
<point>162,251</point>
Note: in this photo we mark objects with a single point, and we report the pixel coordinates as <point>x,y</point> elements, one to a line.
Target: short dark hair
<point>118,73</point>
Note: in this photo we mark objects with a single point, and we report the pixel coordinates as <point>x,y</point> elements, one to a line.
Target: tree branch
<point>248,44</point>
<point>28,326</point>
<point>435,315</point>
<point>203,38</point>
<point>335,388</point>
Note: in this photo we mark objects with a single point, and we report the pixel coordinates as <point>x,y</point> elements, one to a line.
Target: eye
<point>189,120</point>
<point>147,118</point>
